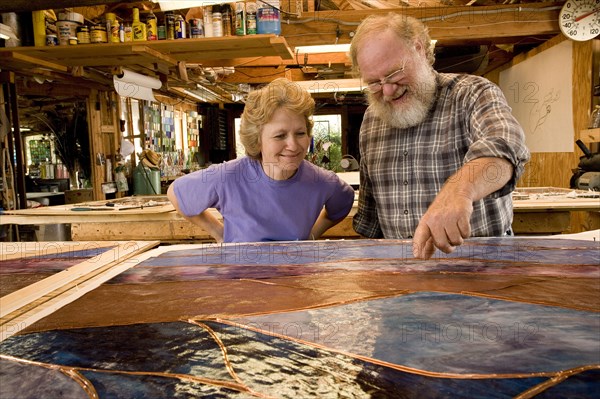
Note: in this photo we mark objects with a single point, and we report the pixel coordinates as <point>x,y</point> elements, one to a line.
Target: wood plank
<point>590,136</point>
<point>23,250</point>
<point>166,232</point>
<point>28,5</point>
<point>449,25</point>
<point>541,223</point>
<point>24,296</point>
<point>154,56</point>
<point>250,62</point>
<point>58,292</point>
<point>164,52</point>
<point>13,60</point>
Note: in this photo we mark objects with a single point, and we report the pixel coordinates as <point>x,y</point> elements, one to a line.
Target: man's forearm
<point>479,178</point>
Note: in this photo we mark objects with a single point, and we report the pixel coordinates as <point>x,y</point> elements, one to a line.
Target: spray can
<point>217,24</point>
<point>240,18</point>
<point>208,21</point>
<point>180,28</point>
<point>226,13</point>
<point>251,18</point>
<point>170,24</point>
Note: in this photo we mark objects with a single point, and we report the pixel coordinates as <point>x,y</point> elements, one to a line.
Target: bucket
<point>66,30</point>
<point>146,181</point>
<point>268,19</point>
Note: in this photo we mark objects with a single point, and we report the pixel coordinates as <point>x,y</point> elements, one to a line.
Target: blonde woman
<point>273,193</point>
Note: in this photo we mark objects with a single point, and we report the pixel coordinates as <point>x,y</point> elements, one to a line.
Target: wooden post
<point>10,92</point>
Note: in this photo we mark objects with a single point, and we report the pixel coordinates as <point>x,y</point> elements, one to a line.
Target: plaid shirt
<point>402,170</point>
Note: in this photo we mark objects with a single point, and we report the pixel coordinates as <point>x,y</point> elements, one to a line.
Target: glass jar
<point>595,118</point>
<point>98,34</point>
<point>83,35</point>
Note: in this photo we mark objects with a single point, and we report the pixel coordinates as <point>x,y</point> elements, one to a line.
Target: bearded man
<point>440,153</point>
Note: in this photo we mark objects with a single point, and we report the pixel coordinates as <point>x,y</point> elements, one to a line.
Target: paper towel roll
<point>132,84</point>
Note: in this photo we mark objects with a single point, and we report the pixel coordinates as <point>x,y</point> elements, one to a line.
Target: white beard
<point>416,107</point>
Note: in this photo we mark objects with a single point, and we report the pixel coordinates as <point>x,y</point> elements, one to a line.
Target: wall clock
<point>580,19</point>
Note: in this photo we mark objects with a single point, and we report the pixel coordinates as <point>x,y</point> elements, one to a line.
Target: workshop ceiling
<point>473,36</point>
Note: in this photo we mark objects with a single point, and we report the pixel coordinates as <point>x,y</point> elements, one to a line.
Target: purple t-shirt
<point>258,208</point>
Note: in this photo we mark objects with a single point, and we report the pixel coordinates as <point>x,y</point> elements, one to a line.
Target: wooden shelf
<point>164,52</point>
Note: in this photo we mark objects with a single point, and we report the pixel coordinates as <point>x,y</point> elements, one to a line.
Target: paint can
<point>98,34</point>
<point>66,29</point>
<point>83,35</point>
<point>196,28</point>
<point>268,18</point>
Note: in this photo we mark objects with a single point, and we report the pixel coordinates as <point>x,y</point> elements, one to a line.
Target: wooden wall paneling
<point>554,169</point>
<point>104,133</point>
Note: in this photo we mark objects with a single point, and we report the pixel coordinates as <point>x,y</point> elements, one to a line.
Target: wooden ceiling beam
<point>28,5</point>
<point>260,75</point>
<point>452,24</point>
<point>312,59</point>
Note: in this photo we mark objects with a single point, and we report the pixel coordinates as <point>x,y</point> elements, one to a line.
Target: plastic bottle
<point>115,28</point>
<point>128,32</point>
<point>151,28</point>
<point>138,27</point>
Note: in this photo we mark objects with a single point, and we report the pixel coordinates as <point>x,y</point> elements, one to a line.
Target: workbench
<point>501,317</point>
<point>543,210</point>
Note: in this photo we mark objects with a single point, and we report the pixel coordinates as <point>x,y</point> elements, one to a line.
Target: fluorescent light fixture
<point>201,94</point>
<point>169,5</point>
<point>332,85</point>
<point>323,48</point>
<point>329,48</point>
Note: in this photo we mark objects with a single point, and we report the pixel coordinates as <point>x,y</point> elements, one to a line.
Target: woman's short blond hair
<point>261,105</point>
<point>409,29</point>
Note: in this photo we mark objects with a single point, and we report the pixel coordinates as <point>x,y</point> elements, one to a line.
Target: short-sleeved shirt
<point>258,208</point>
<point>402,170</point>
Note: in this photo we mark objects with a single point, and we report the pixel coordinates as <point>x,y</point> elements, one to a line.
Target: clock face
<point>580,19</point>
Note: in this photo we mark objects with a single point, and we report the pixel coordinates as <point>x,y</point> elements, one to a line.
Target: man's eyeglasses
<point>392,78</point>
